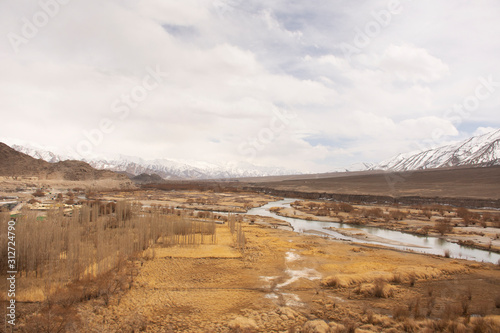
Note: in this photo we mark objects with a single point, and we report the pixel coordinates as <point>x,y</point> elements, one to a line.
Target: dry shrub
<point>428,273</point>
<point>436,208</point>
<point>443,226</point>
<point>373,212</point>
<point>354,279</point>
<point>369,317</point>
<point>408,325</point>
<point>400,312</point>
<point>462,212</point>
<point>331,282</point>
<point>398,215</point>
<point>39,193</point>
<point>379,288</point>
<point>424,230</point>
<point>427,213</point>
<point>322,212</point>
<point>432,326</point>
<point>400,277</point>
<point>456,327</point>
<point>397,278</point>
<point>381,320</point>
<point>345,207</point>
<point>446,326</point>
<point>483,325</point>
<point>412,279</point>
<point>348,326</point>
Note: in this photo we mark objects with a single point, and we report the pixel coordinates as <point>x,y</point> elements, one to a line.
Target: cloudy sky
<point>307,85</point>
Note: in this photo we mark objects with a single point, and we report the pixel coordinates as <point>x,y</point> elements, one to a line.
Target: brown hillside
<point>14,163</point>
<point>464,182</point>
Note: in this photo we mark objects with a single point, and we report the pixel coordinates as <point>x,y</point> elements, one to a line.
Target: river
<point>415,243</point>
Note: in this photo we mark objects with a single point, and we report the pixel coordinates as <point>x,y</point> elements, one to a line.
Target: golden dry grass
<point>205,288</point>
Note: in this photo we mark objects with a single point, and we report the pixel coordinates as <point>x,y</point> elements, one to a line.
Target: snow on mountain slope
<point>482,150</point>
<point>165,168</point>
<point>355,167</point>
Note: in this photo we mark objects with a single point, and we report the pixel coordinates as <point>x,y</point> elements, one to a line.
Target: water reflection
<point>424,244</point>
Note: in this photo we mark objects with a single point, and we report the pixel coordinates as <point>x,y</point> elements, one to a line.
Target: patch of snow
<point>295,275</point>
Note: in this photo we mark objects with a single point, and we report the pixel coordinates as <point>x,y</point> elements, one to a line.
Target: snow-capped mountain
<point>482,150</point>
<point>355,167</point>
<point>165,168</point>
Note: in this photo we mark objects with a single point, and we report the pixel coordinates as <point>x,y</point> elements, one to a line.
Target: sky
<point>304,85</point>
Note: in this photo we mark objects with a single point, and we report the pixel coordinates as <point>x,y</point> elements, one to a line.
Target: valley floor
<point>280,281</point>
<point>286,282</point>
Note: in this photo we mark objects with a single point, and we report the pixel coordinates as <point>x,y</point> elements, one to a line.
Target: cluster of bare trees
<point>234,224</point>
<point>323,209</point>
<point>93,239</point>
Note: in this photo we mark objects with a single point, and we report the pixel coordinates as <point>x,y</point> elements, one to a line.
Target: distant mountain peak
<point>480,150</point>
<point>165,168</point>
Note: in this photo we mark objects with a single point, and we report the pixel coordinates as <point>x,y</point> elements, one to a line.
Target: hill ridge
<point>14,164</point>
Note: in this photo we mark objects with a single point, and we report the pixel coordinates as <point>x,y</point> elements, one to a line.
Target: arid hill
<point>144,178</point>
<point>15,164</point>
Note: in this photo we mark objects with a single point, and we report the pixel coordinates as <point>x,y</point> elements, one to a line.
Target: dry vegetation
<point>236,201</point>
<point>107,263</point>
<point>77,254</point>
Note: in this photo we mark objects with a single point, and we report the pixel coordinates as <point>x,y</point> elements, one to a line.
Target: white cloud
<point>185,13</point>
<point>409,63</point>
<point>232,64</point>
<point>483,130</point>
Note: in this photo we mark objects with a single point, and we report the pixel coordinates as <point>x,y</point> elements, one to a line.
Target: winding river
<point>423,244</point>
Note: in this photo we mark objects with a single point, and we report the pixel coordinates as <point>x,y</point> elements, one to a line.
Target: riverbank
<point>409,220</point>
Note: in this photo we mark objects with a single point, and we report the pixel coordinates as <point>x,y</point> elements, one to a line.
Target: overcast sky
<point>308,85</point>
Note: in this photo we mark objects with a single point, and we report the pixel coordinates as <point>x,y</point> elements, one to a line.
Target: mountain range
<point>165,168</point>
<point>482,150</point>
<point>14,164</point>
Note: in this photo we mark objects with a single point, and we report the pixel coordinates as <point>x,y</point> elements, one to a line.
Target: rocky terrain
<point>16,164</point>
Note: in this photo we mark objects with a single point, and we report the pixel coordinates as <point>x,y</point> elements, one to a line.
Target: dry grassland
<point>286,282</point>
<point>238,202</point>
<point>255,277</point>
